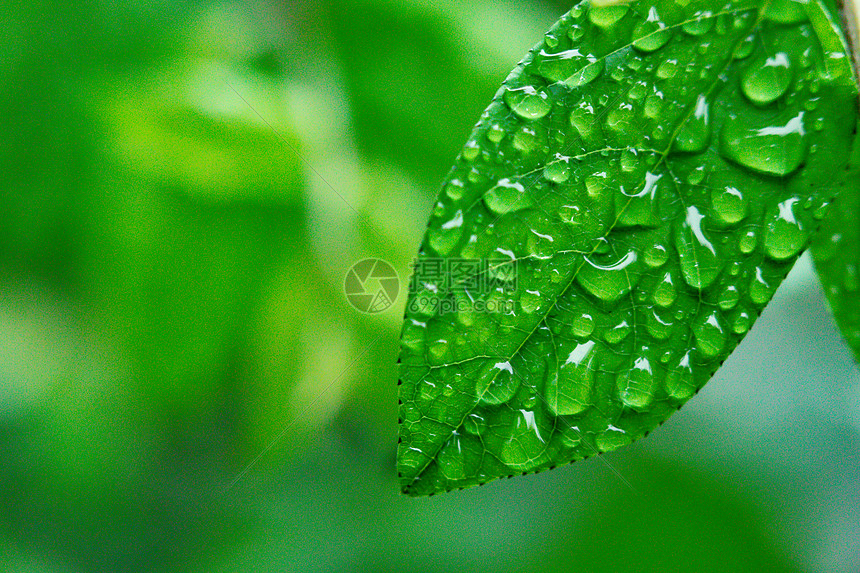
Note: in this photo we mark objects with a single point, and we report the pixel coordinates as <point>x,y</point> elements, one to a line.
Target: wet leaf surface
<point>633,196</point>
<point>836,251</point>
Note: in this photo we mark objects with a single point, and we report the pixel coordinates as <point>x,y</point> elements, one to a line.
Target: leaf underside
<point>836,251</point>
<point>653,169</point>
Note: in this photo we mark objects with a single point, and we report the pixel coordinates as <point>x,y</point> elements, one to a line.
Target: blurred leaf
<point>638,189</point>
<point>222,136</point>
<point>837,253</point>
<point>413,105</point>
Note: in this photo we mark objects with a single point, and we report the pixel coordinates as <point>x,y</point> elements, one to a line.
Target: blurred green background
<point>171,307</point>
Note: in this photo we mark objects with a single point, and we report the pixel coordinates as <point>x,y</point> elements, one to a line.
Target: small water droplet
<point>617,333</point>
<point>496,133</point>
<point>640,209</point>
<point>507,197</point>
<point>530,301</point>
<point>575,33</point>
<point>700,24</point>
<point>638,91</point>
<point>471,151</point>
<point>785,11</point>
<point>455,189</point>
<point>659,327</point>
<point>620,119</point>
<point>582,119</point>
<point>569,66</point>
<point>745,48</point>
<point>528,102</point>
<point>767,80</point>
<point>527,139</point>
<point>748,242</point>
<point>653,106</point>
<point>741,324</point>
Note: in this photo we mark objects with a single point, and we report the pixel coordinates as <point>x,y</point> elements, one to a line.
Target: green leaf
<point>640,186</point>
<point>836,251</point>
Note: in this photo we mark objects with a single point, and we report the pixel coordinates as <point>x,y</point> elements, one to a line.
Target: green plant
<point>624,210</point>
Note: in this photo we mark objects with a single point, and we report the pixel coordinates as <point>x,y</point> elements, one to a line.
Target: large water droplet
<point>680,383</point>
<point>700,24</point>
<point>695,133</point>
<point>760,289</point>
<point>665,293</point>
<point>558,171</point>
<point>497,384</point>
<point>609,282</point>
<point>785,11</point>
<point>583,326</point>
<point>640,209</point>
<point>444,238</point>
<point>569,390</point>
<point>656,256</point>
<point>785,234</point>
<point>729,298</point>
<point>710,335</point>
<point>525,440</point>
<point>659,327</point>
<point>507,197</point>
<point>561,66</point>
<point>617,333</point>
<point>582,119</point>
<point>652,34</point>
<point>730,205</point>
<point>607,16</point>
<point>774,150</point>
<point>451,461</point>
<point>767,80</point>
<point>636,385</point>
<point>700,263</point>
<point>528,102</point>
